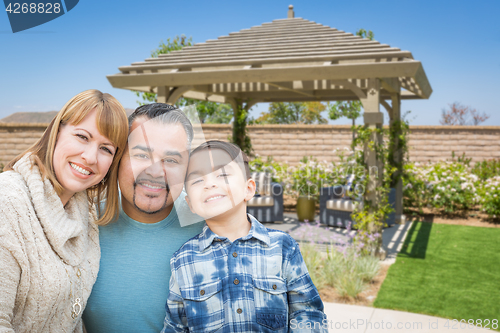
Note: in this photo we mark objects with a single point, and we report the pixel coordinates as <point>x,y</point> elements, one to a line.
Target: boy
<point>236,275</point>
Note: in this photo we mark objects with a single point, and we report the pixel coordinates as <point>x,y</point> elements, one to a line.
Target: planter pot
<point>306,209</point>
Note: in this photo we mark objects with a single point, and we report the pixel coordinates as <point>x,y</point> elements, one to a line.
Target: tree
<point>211,112</point>
<point>176,44</point>
<point>293,113</point>
<point>458,114</point>
<point>208,112</point>
<point>349,109</point>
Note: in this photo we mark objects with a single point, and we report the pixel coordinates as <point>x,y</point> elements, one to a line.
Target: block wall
<point>292,142</point>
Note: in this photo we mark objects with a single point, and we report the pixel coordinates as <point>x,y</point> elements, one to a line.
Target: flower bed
<point>451,187</point>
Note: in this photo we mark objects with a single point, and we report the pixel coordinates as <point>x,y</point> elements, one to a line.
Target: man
<point>132,285</point>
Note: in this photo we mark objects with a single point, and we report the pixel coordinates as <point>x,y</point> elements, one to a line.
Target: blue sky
<point>458,43</point>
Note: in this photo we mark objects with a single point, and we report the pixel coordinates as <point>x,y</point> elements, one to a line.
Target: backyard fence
<point>292,142</point>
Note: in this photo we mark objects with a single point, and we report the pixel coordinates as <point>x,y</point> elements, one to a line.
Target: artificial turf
<point>449,271</point>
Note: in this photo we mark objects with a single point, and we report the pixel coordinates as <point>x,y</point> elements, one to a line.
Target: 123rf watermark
<point>437,325</point>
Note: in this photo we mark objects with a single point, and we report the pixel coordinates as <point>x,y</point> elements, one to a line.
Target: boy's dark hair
<point>231,149</point>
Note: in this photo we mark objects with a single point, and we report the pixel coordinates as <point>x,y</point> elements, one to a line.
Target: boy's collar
<point>257,231</point>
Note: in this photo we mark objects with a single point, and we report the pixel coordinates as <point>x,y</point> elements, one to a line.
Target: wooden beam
<point>391,84</point>
<point>360,93</point>
<point>176,93</point>
<point>270,47</point>
<point>162,93</point>
<point>423,82</point>
<point>369,57</point>
<point>304,73</point>
<point>205,97</point>
<point>285,86</point>
<point>285,35</point>
<point>300,56</point>
<point>371,104</point>
<point>386,106</point>
<point>200,49</point>
<point>272,54</point>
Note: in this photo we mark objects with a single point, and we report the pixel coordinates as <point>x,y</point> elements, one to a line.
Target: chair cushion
<point>261,202</point>
<point>263,182</point>
<point>343,205</point>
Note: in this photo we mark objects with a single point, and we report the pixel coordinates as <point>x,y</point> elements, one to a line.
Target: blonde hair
<point>111,122</point>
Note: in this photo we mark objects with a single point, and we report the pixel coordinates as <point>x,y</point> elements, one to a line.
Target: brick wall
<point>292,142</point>
<point>15,138</point>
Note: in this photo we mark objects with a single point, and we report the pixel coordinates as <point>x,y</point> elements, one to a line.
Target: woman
<point>49,244</point>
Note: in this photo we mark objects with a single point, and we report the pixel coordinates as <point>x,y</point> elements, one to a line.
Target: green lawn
<point>448,271</point>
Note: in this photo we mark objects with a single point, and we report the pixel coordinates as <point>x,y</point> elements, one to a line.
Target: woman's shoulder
<point>13,189</point>
<point>11,182</point>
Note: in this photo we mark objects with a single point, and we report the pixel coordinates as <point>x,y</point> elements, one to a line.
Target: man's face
<point>152,169</point>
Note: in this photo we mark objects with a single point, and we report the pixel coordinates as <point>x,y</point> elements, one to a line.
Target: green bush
<point>453,187</point>
<point>448,186</point>
<point>278,170</point>
<point>415,186</point>
<point>344,266</point>
<point>309,176</point>
<point>349,271</point>
<point>314,262</point>
<point>486,169</point>
<point>490,197</point>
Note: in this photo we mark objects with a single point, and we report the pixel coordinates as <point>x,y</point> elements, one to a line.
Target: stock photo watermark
<point>25,15</point>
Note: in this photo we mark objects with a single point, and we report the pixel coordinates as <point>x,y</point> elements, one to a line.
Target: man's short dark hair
<point>235,152</point>
<point>164,114</point>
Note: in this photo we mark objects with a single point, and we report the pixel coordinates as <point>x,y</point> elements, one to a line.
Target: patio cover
<point>287,60</point>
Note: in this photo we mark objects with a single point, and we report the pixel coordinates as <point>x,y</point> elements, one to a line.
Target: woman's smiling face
<point>82,156</point>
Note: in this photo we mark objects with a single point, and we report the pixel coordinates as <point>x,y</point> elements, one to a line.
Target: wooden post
<point>395,115</point>
<point>240,114</point>
<point>373,119</point>
<point>162,94</point>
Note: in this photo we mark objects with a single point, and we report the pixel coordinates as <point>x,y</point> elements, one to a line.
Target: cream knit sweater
<point>42,246</point>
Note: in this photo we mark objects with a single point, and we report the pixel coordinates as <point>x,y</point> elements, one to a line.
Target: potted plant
<point>306,184</point>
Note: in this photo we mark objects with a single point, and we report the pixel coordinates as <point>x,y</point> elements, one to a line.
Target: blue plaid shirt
<point>258,283</point>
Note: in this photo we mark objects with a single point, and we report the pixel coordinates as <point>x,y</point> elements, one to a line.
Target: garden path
<point>392,237</point>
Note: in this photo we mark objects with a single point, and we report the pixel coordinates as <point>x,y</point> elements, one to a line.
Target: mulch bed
<point>366,298</point>
<point>473,218</point>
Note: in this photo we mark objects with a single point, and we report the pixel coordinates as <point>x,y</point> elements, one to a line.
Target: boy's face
<point>216,185</point>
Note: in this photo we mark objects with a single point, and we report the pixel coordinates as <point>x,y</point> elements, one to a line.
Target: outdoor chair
<point>267,204</point>
<point>336,207</point>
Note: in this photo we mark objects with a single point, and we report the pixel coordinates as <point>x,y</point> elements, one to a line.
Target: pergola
<point>290,59</point>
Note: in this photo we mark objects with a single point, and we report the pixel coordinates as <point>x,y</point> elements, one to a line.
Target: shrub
<point>278,170</point>
<point>349,271</point>
<point>415,186</point>
<point>486,169</point>
<point>344,265</point>
<point>453,187</point>
<point>490,197</point>
<point>448,185</point>
<point>314,262</point>
<point>309,176</point>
